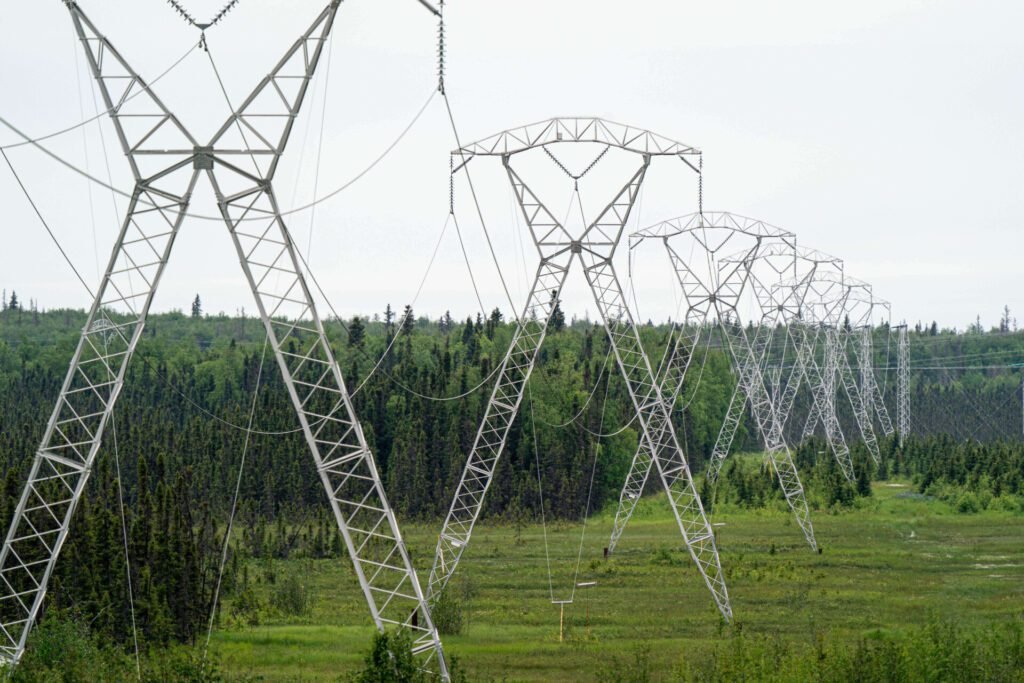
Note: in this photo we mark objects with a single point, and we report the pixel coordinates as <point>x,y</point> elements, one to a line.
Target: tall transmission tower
<point>594,246</point>
<point>167,162</point>
<point>715,287</point>
<point>813,328</point>
<point>860,308</point>
<point>903,384</point>
<point>852,297</point>
<point>774,264</point>
<point>879,314</point>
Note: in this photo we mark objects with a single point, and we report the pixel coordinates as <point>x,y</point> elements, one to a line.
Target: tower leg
<point>873,399</point>
<point>656,427</point>
<point>797,375</point>
<point>499,414</point>
<point>322,403</point>
<point>822,384</point>
<point>93,383</point>
<point>727,433</point>
<point>677,360</point>
<point>902,385</point>
<point>860,412</point>
<point>768,425</point>
<point>738,401</point>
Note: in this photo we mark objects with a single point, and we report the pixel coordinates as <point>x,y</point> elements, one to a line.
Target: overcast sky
<point>886,132</point>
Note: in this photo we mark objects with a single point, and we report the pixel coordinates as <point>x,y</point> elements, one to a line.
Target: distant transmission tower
<point>715,287</point>
<point>879,313</point>
<point>854,299</point>
<point>903,385</point>
<point>594,247</point>
<point>822,297</point>
<point>167,162</point>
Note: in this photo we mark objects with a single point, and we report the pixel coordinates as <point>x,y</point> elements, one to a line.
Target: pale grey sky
<point>886,132</point>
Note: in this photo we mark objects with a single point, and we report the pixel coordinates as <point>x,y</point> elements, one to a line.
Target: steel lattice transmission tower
<point>903,384</point>
<point>790,297</point>
<point>841,300</point>
<point>860,307</point>
<point>807,331</point>
<point>714,289</point>
<point>167,162</point>
<point>594,246</point>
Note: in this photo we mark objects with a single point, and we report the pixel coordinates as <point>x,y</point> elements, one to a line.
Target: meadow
<point>895,563</point>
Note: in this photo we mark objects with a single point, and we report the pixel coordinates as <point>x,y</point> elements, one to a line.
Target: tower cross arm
<point>709,220</point>
<point>576,129</point>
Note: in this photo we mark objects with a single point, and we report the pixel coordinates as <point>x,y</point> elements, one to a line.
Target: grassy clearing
<point>892,564</point>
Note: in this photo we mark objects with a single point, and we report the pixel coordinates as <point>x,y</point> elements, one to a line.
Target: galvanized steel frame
<point>712,231</point>
<point>166,162</point>
<point>595,248</point>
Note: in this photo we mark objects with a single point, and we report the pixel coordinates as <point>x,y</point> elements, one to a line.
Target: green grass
<point>892,564</point>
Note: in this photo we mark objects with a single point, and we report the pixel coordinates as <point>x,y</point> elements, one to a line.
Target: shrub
<point>291,597</point>
<point>623,671</point>
<point>390,660</point>
<point>62,649</point>
<point>938,652</point>
<point>1006,503</point>
<point>967,503</point>
<point>246,607</point>
<point>183,665</point>
<point>446,612</point>
<point>664,557</point>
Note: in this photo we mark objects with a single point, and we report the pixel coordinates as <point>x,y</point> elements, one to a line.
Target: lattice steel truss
<point>865,311</point>
<point>903,384</point>
<point>716,290</point>
<point>880,312</point>
<point>763,268</point>
<point>595,248</point>
<point>809,329</point>
<point>843,301</point>
<point>166,162</point>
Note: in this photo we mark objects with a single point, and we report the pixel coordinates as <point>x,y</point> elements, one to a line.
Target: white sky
<point>886,132</point>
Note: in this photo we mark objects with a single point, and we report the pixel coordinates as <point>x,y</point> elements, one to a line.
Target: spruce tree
<point>356,332</point>
<point>557,321</point>
<point>408,320</point>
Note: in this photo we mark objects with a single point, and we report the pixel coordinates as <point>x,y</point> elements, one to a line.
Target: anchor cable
<point>127,557</point>
<point>234,501</point>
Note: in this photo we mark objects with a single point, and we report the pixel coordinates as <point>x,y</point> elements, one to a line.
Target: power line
<point>590,491</point>
<point>234,500</point>
<point>227,423</point>
<point>476,202</point>
<point>45,224</point>
<point>127,557</point>
<point>34,141</point>
<point>143,200</point>
<point>377,367</point>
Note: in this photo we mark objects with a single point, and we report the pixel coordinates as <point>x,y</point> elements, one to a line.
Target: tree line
<point>179,429</point>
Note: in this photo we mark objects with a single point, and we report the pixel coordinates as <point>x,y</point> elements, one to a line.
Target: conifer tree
<point>557,321</point>
<point>356,332</point>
